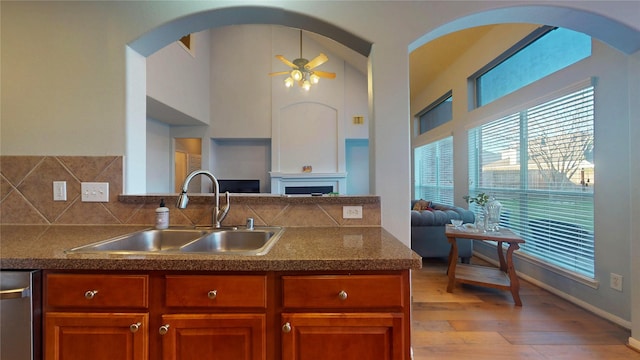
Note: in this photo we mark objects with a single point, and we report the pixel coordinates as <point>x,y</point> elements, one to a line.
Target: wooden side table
<point>504,278</point>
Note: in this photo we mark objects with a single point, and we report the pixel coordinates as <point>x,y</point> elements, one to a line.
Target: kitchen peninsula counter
<point>299,249</point>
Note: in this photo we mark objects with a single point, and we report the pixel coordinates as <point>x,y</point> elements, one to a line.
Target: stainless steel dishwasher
<point>20,315</point>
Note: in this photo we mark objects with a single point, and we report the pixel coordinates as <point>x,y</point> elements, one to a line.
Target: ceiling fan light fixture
<point>296,75</point>
<point>288,82</point>
<point>302,70</point>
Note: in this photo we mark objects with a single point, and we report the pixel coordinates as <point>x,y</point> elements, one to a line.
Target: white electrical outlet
<point>95,191</point>
<point>616,282</point>
<point>59,191</point>
<point>352,212</point>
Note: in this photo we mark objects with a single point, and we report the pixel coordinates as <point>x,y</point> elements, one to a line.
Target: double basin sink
<point>189,241</point>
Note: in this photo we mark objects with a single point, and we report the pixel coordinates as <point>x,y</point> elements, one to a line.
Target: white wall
<point>159,154</point>
<point>612,224</point>
<point>357,155</point>
<point>355,103</point>
<point>248,159</point>
<point>180,79</point>
<point>240,61</point>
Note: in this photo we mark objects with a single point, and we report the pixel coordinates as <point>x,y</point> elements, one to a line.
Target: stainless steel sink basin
<point>256,242</point>
<point>188,241</point>
<point>146,241</point>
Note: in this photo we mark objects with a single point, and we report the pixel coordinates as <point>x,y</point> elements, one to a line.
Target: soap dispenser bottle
<point>162,216</point>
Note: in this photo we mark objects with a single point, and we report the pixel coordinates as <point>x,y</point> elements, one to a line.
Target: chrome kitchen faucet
<point>218,214</point>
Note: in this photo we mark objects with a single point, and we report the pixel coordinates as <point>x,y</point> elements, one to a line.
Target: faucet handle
<point>222,213</point>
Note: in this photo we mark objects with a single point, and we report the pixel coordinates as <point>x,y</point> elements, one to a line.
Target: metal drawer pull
<point>90,294</point>
<point>212,294</point>
<point>286,328</point>
<point>135,327</point>
<point>15,293</point>
<point>164,329</point>
<point>342,295</point>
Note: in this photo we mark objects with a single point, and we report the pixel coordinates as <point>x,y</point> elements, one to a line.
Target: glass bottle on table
<point>493,210</point>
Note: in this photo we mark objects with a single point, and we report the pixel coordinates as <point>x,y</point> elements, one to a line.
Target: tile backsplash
<point>26,197</point>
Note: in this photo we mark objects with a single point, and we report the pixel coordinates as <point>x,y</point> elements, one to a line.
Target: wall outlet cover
<point>352,212</point>
<point>616,282</point>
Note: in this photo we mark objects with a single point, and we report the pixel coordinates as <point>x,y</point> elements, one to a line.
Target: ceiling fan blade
<point>284,60</point>
<point>317,61</point>
<point>278,73</point>
<point>324,74</point>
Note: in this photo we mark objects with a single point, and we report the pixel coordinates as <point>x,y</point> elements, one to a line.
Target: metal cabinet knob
<point>212,294</point>
<point>135,327</point>
<point>164,329</point>
<point>286,327</point>
<point>90,294</point>
<point>342,295</point>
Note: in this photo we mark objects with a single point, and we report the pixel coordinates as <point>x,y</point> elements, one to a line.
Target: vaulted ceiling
<point>426,62</point>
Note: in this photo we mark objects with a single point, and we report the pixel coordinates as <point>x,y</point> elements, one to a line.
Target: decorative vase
<point>481,220</point>
<point>492,214</point>
<point>485,219</point>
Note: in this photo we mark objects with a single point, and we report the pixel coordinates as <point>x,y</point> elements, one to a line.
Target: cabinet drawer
<point>238,291</point>
<point>97,291</point>
<point>343,291</point>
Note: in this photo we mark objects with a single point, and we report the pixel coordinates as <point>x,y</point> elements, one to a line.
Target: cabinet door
<point>96,336</point>
<point>213,336</point>
<point>371,336</point>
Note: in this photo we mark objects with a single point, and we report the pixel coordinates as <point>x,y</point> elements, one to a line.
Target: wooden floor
<point>481,323</point>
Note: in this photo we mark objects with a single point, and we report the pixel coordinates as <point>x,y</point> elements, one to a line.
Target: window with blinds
<point>434,171</point>
<point>539,164</point>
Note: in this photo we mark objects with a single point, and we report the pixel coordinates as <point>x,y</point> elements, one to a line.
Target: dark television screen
<point>300,190</point>
<point>239,186</point>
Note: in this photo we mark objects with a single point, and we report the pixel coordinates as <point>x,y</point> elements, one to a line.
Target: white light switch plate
<point>95,191</point>
<point>59,191</point>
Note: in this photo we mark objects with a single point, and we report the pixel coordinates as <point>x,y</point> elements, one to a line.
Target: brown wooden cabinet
<point>235,316</point>
<point>214,336</point>
<point>96,336</point>
<point>214,317</point>
<point>345,316</point>
<point>192,316</point>
<point>96,317</point>
<point>343,335</point>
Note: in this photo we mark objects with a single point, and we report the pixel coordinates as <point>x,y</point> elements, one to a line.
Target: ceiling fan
<point>303,70</point>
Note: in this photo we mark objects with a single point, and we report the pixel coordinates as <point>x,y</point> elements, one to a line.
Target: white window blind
<point>539,164</point>
<point>434,171</point>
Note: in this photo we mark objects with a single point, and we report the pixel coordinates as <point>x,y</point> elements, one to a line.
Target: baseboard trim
<point>603,314</point>
<point>634,344</point>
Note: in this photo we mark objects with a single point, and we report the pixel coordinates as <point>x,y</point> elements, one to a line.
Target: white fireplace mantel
<point>280,180</point>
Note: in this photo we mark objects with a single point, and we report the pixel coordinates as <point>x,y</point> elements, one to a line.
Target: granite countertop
<point>299,249</point>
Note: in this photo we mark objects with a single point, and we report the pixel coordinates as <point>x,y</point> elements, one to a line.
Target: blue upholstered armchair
<point>427,231</point>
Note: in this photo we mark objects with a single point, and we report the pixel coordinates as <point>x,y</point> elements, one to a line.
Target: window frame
<point>438,102</point>
<point>473,101</point>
